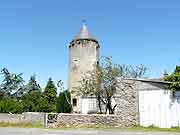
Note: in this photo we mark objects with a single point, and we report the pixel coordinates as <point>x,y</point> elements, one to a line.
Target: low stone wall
<point>34,117</point>
<point>4,117</point>
<point>89,120</point>
<point>24,117</point>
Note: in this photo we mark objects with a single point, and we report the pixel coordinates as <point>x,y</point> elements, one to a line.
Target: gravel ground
<point>34,131</point>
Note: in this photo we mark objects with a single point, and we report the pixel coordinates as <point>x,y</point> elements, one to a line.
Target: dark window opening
<point>74,102</point>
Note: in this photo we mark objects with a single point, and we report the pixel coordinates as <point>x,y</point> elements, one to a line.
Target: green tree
<point>175,79</point>
<point>102,81</point>
<point>109,72</point>
<point>34,102</point>
<point>50,94</point>
<point>10,105</point>
<point>12,83</point>
<point>33,99</point>
<point>32,85</point>
<point>63,105</point>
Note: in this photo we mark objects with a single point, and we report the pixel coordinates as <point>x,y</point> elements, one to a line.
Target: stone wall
<point>24,117</point>
<point>126,112</point>
<point>89,120</point>
<point>126,98</point>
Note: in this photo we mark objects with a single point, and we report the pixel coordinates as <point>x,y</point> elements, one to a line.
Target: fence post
<point>45,120</point>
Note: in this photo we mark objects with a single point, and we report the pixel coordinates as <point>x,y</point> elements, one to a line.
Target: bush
<point>34,102</point>
<point>10,105</point>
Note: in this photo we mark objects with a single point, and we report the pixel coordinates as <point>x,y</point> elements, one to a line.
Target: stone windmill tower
<point>83,57</point>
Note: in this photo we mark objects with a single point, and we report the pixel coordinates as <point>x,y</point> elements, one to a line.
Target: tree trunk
<point>99,104</point>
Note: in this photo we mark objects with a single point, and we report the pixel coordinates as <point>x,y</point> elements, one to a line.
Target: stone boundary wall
<point>89,120</point>
<point>24,117</point>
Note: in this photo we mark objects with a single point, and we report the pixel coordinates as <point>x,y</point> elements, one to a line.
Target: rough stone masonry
<point>126,98</point>
<point>126,114</point>
<point>89,120</point>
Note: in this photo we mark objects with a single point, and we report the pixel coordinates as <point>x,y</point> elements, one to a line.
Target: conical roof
<point>84,34</point>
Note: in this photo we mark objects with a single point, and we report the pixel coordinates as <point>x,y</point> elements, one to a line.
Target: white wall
<point>88,105</point>
<point>158,108</point>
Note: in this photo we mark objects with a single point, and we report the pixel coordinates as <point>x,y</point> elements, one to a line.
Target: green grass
<point>21,124</point>
<point>152,128</point>
<point>135,128</point>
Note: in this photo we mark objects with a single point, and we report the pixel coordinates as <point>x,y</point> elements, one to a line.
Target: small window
<point>74,102</point>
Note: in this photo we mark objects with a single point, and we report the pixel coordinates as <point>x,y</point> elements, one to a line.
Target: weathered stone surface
<point>83,120</point>
<point>24,117</point>
<point>126,98</point>
<point>83,58</point>
<point>88,120</point>
<point>126,113</point>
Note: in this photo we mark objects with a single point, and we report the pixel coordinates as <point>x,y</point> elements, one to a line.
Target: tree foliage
<point>11,84</point>
<point>32,85</point>
<point>109,72</point>
<point>32,98</point>
<point>18,97</point>
<point>175,79</point>
<point>63,105</point>
<point>64,99</point>
<point>34,102</point>
<point>10,105</point>
<point>50,94</point>
<point>103,80</point>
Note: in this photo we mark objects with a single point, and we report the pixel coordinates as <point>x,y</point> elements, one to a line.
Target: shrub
<point>10,105</point>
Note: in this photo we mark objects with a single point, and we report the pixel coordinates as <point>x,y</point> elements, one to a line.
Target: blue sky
<point>35,34</point>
